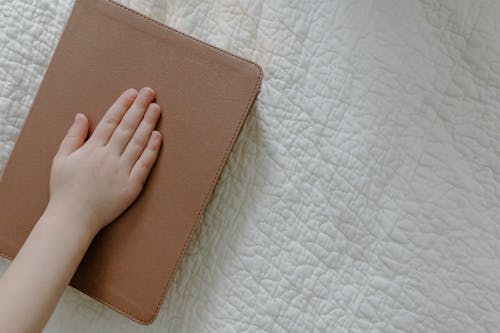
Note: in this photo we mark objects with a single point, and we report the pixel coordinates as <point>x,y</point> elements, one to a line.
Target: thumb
<point>75,137</point>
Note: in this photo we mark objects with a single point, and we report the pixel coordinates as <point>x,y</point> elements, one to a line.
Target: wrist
<point>68,219</point>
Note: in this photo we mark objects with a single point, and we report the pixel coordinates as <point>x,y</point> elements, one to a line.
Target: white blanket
<point>363,194</point>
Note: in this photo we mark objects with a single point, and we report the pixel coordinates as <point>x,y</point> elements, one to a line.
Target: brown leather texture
<point>206,94</point>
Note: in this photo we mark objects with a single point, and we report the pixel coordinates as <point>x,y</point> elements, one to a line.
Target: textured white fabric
<point>364,192</point>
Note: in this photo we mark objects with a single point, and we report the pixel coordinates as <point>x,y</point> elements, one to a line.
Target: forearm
<point>35,280</point>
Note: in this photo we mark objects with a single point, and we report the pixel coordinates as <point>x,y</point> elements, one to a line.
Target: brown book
<point>206,94</point>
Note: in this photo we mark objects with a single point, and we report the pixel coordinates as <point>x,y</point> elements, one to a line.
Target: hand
<point>92,182</point>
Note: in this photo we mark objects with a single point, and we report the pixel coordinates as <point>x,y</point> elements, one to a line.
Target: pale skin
<point>91,183</point>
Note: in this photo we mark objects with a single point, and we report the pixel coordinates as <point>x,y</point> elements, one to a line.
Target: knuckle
<point>135,188</point>
<point>144,165</point>
<point>136,141</point>
<point>124,128</point>
<point>127,124</point>
<point>109,119</point>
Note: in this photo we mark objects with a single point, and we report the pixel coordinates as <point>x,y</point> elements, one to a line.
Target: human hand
<point>92,182</point>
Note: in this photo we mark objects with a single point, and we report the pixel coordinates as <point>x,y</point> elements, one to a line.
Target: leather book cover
<point>205,94</point>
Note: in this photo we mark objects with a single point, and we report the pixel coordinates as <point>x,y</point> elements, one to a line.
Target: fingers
<point>143,166</point>
<point>141,136</point>
<point>131,120</point>
<point>112,118</point>
<point>75,137</point>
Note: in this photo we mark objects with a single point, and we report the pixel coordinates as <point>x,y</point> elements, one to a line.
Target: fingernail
<point>132,93</point>
<point>77,116</point>
<point>147,92</point>
<point>156,136</point>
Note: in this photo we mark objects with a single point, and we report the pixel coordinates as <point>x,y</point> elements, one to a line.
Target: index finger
<point>112,117</point>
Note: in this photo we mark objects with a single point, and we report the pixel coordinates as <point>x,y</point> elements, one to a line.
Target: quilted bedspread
<point>363,194</point>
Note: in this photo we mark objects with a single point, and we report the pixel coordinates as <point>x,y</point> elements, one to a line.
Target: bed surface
<point>363,194</point>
